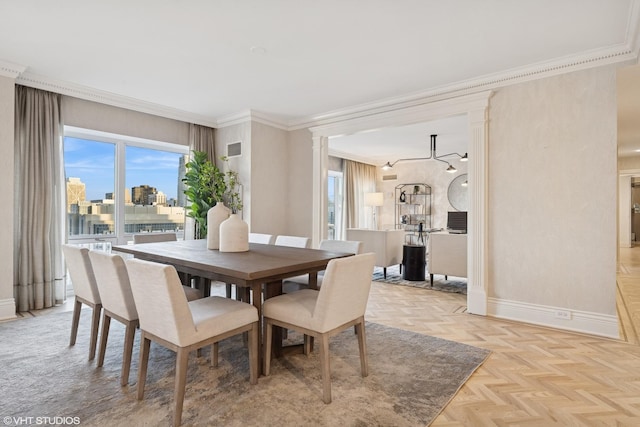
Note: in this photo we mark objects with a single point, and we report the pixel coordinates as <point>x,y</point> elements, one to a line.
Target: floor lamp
<point>374,200</point>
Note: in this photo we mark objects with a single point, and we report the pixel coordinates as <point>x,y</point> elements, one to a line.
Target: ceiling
<point>301,61</point>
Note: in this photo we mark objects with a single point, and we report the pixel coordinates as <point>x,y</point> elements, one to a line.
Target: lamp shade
<point>373,199</point>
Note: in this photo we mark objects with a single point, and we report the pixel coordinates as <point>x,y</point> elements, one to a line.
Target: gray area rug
<point>412,377</point>
<point>394,277</point>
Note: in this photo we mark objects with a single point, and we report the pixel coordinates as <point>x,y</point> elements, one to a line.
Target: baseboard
<point>7,309</point>
<point>555,317</point>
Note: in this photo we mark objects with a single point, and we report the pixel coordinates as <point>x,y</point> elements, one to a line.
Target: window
<point>335,200</point>
<point>118,185</point>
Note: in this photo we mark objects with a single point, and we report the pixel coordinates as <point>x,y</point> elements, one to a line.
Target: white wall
<point>7,108</point>
<point>552,192</point>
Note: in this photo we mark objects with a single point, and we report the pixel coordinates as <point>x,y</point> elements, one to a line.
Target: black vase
<point>403,197</point>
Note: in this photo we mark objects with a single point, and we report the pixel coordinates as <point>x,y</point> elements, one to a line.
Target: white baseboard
<point>555,317</point>
<point>7,309</point>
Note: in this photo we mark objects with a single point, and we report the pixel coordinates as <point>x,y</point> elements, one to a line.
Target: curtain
<point>201,138</point>
<point>359,178</point>
<point>38,200</point>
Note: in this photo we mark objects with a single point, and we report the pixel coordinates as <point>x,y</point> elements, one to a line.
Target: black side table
<point>414,262</point>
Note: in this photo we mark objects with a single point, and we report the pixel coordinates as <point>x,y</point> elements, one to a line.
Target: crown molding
<point>11,70</point>
<point>597,58</point>
<point>109,98</point>
<point>251,116</point>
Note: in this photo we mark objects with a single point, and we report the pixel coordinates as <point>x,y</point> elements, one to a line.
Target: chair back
<point>154,237</point>
<point>82,277</point>
<point>345,246</point>
<point>265,239</point>
<point>293,241</point>
<point>345,291</point>
<point>162,306</point>
<point>113,283</point>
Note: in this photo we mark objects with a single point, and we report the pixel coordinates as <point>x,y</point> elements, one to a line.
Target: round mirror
<point>457,193</point>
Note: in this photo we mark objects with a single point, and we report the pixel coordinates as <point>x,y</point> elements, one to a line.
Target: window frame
<point>121,142</point>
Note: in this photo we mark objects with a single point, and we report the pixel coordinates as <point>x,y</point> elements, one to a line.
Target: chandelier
<point>432,156</point>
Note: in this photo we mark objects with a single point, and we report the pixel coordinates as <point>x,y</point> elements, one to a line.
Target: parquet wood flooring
<point>534,377</point>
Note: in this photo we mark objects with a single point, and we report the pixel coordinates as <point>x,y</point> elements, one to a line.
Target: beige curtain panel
<point>201,138</point>
<point>359,178</point>
<point>38,200</point>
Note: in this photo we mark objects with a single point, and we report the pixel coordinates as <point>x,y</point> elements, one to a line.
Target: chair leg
<point>104,335</point>
<point>214,354</point>
<point>268,337</point>
<point>384,272</point>
<point>145,344</point>
<point>74,324</point>
<point>95,324</point>
<point>181,381</point>
<point>362,344</point>
<point>228,286</point>
<point>253,354</point>
<point>129,336</point>
<point>326,368</point>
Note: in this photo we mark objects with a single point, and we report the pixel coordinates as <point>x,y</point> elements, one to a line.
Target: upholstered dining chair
<point>293,241</point>
<point>192,293</point>
<point>346,246</point>
<point>117,303</point>
<point>167,318</point>
<point>339,304</point>
<point>265,239</point>
<point>85,290</point>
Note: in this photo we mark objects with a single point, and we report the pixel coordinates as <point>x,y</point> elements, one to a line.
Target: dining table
<point>261,269</point>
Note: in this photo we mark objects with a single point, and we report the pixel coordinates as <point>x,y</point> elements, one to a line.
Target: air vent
<point>234,149</point>
<point>389,177</point>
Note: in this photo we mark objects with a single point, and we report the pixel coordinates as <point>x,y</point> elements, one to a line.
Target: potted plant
<point>205,187</point>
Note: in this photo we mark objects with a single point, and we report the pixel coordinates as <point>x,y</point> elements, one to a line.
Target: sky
<point>93,162</point>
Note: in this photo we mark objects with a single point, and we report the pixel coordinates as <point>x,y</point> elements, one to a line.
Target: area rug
<point>451,284</point>
<point>412,377</point>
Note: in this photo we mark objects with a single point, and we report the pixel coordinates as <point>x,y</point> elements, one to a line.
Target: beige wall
<point>300,178</point>
<point>552,192</point>
<point>428,172</point>
<point>7,107</point>
<point>269,180</point>
<point>91,115</point>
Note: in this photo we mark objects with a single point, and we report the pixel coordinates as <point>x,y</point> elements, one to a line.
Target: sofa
<point>386,244</point>
<point>447,255</point>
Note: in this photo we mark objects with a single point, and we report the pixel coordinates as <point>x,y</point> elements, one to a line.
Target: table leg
<point>272,289</point>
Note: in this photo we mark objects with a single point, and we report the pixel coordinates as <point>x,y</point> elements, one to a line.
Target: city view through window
<point>152,196</point>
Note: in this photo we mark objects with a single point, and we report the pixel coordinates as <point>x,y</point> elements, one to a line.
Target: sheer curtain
<point>38,200</point>
<point>359,178</point>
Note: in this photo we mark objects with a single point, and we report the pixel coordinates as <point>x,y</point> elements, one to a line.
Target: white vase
<point>234,235</point>
<point>215,216</point>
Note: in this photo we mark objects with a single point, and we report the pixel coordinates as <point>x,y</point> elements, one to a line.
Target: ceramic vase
<point>234,235</point>
<point>215,216</point>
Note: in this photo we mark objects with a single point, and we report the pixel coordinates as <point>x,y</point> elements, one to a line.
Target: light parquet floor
<point>534,377</point>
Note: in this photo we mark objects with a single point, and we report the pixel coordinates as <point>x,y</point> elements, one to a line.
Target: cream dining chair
<point>345,246</point>
<point>85,290</point>
<point>167,318</point>
<point>265,239</point>
<point>339,304</point>
<point>293,241</point>
<point>117,303</point>
<point>192,293</point>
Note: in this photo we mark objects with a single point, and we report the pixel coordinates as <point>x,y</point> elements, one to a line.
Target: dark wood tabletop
<point>262,266</point>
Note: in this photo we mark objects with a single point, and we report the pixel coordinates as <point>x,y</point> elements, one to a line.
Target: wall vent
<point>389,177</point>
<point>234,149</point>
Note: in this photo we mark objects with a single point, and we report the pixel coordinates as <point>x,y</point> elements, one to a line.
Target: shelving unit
<point>413,206</point>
